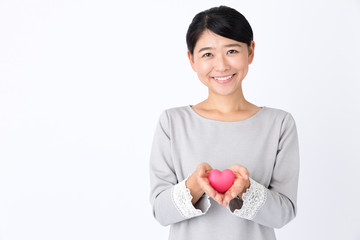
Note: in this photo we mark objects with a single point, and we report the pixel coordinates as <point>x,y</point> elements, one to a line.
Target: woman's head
<point>220,49</point>
<point>224,21</point>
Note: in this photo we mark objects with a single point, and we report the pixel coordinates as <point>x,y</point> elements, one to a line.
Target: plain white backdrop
<point>83,83</point>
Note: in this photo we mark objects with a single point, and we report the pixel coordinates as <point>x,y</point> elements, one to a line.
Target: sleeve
<point>276,205</point>
<point>170,199</point>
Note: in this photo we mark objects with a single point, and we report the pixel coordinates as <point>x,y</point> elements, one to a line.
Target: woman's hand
<point>198,184</point>
<point>241,183</point>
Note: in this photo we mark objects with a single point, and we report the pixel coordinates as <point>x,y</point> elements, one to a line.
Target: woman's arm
<point>275,205</point>
<point>172,200</point>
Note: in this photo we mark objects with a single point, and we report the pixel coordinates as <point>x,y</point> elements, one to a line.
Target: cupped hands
<point>198,183</point>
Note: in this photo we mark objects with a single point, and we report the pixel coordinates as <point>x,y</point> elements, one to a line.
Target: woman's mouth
<point>223,80</point>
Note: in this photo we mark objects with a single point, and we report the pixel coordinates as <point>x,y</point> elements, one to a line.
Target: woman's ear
<point>191,59</point>
<point>251,49</point>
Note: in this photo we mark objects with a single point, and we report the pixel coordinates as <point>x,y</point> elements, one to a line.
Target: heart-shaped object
<point>221,181</point>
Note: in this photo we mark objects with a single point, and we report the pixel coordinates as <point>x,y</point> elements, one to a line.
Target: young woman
<point>225,131</point>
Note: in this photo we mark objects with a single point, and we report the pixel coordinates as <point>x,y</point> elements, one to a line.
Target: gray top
<point>266,144</point>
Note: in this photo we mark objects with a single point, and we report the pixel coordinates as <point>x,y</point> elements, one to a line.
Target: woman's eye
<point>232,51</point>
<point>207,55</point>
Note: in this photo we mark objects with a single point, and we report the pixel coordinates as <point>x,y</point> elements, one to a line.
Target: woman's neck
<point>227,104</point>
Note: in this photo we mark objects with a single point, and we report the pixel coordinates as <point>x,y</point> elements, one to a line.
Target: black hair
<point>224,21</point>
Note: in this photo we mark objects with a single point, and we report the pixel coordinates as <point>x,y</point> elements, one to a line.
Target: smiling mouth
<point>224,79</point>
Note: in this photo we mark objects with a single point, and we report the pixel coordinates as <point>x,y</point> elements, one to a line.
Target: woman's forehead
<point>210,39</point>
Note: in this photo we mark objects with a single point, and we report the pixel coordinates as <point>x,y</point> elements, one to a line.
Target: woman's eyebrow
<point>233,45</point>
<point>228,45</point>
<point>205,48</point>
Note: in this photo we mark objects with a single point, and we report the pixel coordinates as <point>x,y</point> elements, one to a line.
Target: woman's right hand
<point>198,184</point>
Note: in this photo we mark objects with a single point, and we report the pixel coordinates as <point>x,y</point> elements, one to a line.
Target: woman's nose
<point>221,64</point>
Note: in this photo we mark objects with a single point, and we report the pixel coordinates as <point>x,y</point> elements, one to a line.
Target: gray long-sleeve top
<point>266,144</point>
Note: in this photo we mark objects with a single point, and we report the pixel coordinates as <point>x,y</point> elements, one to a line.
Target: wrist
<point>247,186</point>
<point>195,190</point>
<point>192,184</point>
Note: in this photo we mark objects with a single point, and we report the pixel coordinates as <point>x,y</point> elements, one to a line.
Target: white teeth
<point>224,78</point>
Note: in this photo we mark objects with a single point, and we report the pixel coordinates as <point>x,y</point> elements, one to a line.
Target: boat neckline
<point>258,113</point>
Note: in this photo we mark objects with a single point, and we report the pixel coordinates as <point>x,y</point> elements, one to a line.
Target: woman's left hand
<point>241,183</point>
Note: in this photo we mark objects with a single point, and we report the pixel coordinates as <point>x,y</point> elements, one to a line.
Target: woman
<point>225,131</point>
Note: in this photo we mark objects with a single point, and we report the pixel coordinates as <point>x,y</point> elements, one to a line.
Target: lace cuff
<point>181,197</point>
<point>253,199</point>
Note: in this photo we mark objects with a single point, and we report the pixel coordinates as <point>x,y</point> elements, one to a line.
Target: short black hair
<point>222,20</point>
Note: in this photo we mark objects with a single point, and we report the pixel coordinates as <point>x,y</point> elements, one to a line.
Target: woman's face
<point>221,63</point>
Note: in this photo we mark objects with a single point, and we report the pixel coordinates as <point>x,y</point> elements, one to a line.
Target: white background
<point>82,84</point>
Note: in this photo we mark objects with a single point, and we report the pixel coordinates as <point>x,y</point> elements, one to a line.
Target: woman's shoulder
<point>174,112</point>
<point>177,111</point>
<point>281,115</point>
<point>276,111</point>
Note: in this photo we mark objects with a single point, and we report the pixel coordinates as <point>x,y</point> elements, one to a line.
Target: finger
<point>244,173</point>
<point>230,194</point>
<point>227,197</point>
<point>206,187</point>
<point>205,166</point>
<point>210,191</point>
<point>235,167</point>
<point>235,189</point>
<point>204,172</point>
<point>219,198</point>
<point>240,170</point>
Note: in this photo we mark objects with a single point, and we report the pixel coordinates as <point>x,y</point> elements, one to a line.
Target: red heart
<point>221,181</point>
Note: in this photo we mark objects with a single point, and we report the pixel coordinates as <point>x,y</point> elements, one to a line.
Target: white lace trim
<point>182,198</point>
<point>253,199</point>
